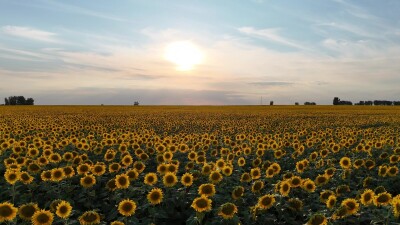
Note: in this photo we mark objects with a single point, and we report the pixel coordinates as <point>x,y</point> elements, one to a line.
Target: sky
<point>113,52</point>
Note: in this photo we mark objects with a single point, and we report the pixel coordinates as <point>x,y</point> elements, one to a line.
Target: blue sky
<point>94,52</point>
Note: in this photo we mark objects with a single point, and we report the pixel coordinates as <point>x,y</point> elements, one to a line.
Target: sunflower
<point>150,179</point>
<point>25,177</point>
<point>255,173</point>
<point>276,167</point>
<point>127,207</point>
<point>370,164</point>
<point>245,177</point>
<point>295,181</point>
<point>324,195</point>
<point>11,176</point>
<point>257,186</point>
<point>169,179</point>
<point>341,189</point>
<point>300,167</point>
<point>351,205</point>
<point>132,174</point>
<point>155,196</point>
<point>330,171</point>
<point>345,162</point>
<point>367,197</point>
<point>7,211</point>
<point>227,210</point>
<point>358,163</point>
<point>317,219</point>
<point>45,175</point>
<point>382,171</point>
<point>331,202</point>
<point>99,169</point>
<point>83,169</point>
<point>114,167</point>
<point>241,162</point>
<point>26,211</point>
<point>42,217</point>
<point>88,181</point>
<point>122,181</point>
<point>215,177</point>
<point>227,171</point>
<point>69,171</point>
<point>284,188</point>
<point>392,171</point>
<point>266,201</point>
<point>63,209</point>
<point>295,204</point>
<point>270,172</point>
<point>187,179</point>
<point>111,185</point>
<point>396,206</point>
<point>308,185</point>
<point>117,223</point>
<point>139,166</point>
<point>201,204</point>
<point>237,192</point>
<point>321,180</point>
<point>207,190</point>
<point>57,174</point>
<point>383,198</point>
<point>89,218</point>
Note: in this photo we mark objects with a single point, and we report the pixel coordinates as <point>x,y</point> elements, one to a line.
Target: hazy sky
<point>112,52</point>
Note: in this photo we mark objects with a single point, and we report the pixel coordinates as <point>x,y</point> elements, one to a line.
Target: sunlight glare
<point>184,54</point>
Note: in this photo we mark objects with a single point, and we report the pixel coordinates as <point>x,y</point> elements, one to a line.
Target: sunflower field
<point>199,165</point>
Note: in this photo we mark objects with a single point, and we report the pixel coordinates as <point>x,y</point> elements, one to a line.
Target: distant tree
<point>396,103</point>
<point>21,100</point>
<point>29,101</point>
<point>336,101</point>
<point>310,103</point>
<point>271,103</point>
<point>296,103</point>
<point>18,100</point>
<point>136,103</point>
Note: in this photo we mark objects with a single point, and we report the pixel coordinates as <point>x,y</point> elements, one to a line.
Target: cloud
<point>272,83</point>
<point>123,96</point>
<point>30,33</point>
<point>270,34</point>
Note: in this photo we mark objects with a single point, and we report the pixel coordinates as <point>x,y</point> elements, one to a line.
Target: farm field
<point>199,165</point>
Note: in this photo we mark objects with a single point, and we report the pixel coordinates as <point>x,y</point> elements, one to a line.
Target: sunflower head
<point>367,197</point>
<point>215,177</point>
<point>89,218</point>
<point>257,186</point>
<point>26,211</point>
<point>237,192</point>
<point>317,219</point>
<point>351,205</point>
<point>187,179</point>
<point>331,202</point>
<point>88,181</point>
<point>266,202</point>
<point>7,211</point>
<point>155,196</point>
<point>383,198</point>
<point>42,217</point>
<point>295,204</point>
<point>127,207</point>
<point>170,179</point>
<point>63,209</point>
<point>122,181</point>
<point>201,204</point>
<point>207,190</point>
<point>227,210</point>
<point>150,179</point>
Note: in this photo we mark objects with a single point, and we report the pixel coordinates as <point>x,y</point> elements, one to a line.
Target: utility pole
<point>261,100</point>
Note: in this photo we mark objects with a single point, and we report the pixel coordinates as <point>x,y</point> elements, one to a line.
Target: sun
<point>184,54</point>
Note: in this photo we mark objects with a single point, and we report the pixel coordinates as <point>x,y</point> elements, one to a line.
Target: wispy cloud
<point>270,34</point>
<point>272,83</point>
<point>30,33</point>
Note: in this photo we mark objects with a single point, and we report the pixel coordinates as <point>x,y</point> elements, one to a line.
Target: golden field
<point>199,165</point>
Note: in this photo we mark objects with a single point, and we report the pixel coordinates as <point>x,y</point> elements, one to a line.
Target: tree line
<point>337,101</point>
<point>18,100</point>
